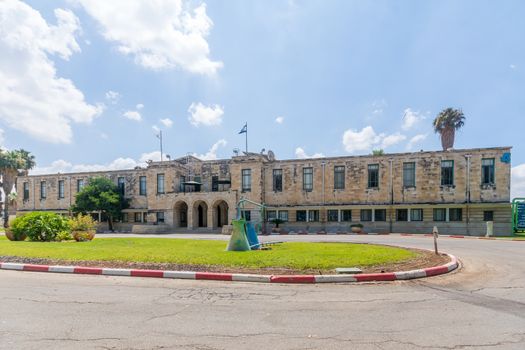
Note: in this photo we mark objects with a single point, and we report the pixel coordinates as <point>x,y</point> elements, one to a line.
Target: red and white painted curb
<point>369,277</point>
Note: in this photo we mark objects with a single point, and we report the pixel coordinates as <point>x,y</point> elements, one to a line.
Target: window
<point>271,215</point>
<point>487,171</point>
<point>142,185</point>
<point>26,191</point>
<point>43,192</point>
<point>455,214</point>
<point>160,217</point>
<point>366,214</point>
<point>182,180</point>
<point>333,215</point>
<point>440,214</point>
<point>300,215</point>
<point>346,215</point>
<point>215,183</point>
<point>409,174</point>
<point>339,178</point>
<point>247,215</point>
<point>308,179</point>
<point>416,214</point>
<point>373,175</point>
<point>246,180</point>
<point>121,185</point>
<point>138,217</point>
<point>380,215</point>
<point>283,215</point>
<point>80,185</point>
<point>277,180</point>
<point>488,215</point>
<point>313,215</point>
<point>60,189</point>
<point>447,173</point>
<point>160,183</point>
<point>402,214</point>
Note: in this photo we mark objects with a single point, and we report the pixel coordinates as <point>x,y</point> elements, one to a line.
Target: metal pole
<point>246,137</point>
<point>160,137</point>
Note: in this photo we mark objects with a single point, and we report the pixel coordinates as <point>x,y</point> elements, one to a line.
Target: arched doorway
<point>180,214</point>
<point>220,213</point>
<point>200,214</point>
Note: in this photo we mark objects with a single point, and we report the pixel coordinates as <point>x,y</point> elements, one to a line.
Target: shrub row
<point>51,227</point>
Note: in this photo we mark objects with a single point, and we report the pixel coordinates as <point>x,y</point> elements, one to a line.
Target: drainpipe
<point>323,164</point>
<point>391,192</point>
<point>467,193</point>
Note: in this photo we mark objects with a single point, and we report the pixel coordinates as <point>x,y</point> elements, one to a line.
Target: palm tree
<point>446,123</point>
<point>13,163</point>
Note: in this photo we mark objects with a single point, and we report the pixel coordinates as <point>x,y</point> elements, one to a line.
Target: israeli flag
<point>244,129</point>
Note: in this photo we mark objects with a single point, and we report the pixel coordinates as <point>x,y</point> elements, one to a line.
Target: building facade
<point>457,190</point>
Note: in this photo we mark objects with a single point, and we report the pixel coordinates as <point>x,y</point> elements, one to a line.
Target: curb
<point>370,277</point>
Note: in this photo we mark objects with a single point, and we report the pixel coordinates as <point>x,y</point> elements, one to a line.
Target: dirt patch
<point>423,259</point>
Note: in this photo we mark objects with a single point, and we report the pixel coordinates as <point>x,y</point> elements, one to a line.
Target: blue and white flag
<point>244,129</point>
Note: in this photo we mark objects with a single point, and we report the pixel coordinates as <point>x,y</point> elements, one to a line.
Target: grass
<point>295,255</point>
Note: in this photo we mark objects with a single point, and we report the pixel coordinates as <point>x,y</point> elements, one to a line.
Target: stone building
<point>456,190</point>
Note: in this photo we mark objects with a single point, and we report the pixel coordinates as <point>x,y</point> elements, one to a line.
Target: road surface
<point>482,306</point>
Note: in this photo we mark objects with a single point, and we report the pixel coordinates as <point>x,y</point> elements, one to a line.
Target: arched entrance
<point>180,214</point>
<point>200,214</point>
<point>220,213</point>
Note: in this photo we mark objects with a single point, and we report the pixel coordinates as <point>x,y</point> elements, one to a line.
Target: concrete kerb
<point>371,277</point>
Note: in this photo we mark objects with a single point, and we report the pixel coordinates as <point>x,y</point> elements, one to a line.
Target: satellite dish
<point>271,156</point>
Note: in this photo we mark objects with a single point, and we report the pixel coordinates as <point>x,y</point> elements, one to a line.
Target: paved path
<point>481,306</point>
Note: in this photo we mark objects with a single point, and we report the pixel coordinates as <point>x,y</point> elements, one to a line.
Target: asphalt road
<point>482,306</point>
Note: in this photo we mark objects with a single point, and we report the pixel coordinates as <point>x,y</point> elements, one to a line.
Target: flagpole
<point>246,137</point>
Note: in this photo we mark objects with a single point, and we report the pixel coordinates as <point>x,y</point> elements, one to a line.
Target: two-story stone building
<point>456,190</point>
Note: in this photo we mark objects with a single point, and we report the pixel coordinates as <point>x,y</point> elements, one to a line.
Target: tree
<point>101,194</point>
<point>378,152</point>
<point>446,123</point>
<point>11,163</point>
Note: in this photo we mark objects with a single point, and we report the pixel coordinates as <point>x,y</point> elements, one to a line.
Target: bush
<point>82,223</point>
<point>357,225</point>
<point>41,226</point>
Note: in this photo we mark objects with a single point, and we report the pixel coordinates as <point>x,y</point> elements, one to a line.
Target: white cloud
<point>156,129</point>
<point>212,153</point>
<point>367,138</point>
<point>518,181</point>
<point>132,115</point>
<point>512,66</point>
<point>33,99</point>
<point>167,122</point>
<point>159,34</point>
<point>391,140</point>
<point>411,118</point>
<point>378,107</point>
<point>121,163</point>
<point>139,106</point>
<point>279,120</point>
<point>104,136</point>
<point>113,96</point>
<point>2,139</point>
<point>205,115</point>
<point>301,154</point>
<point>415,140</point>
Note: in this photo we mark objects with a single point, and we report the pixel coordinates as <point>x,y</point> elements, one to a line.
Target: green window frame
<point>447,173</point>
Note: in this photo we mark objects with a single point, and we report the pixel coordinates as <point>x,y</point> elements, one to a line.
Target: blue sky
<point>311,78</point>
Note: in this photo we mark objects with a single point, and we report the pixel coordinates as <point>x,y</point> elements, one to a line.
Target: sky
<point>88,84</point>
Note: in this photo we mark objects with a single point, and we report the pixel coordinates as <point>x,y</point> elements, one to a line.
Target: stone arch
<point>220,213</point>
<point>200,214</point>
<point>180,214</point>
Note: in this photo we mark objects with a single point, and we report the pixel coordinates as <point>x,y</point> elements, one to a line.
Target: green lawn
<point>294,255</point>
